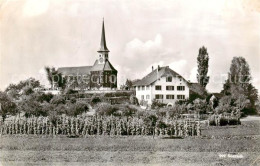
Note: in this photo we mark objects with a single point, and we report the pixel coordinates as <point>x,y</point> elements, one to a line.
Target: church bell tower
<point>103,51</point>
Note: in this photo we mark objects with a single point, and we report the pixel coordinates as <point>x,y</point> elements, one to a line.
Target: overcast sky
<point>139,33</point>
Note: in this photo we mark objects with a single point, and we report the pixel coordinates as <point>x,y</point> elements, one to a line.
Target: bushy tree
<point>203,65</point>
<point>239,82</point>
<point>7,106</point>
<point>55,77</point>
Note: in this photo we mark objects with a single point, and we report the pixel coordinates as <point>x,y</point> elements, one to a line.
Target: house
<point>101,76</point>
<point>162,84</point>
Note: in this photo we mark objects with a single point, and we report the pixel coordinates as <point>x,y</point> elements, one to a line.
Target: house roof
<point>156,74</point>
<point>197,88</point>
<point>81,70</point>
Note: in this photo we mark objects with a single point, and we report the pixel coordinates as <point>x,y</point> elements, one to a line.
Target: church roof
<point>107,66</point>
<point>154,75</point>
<point>81,70</point>
<point>103,44</point>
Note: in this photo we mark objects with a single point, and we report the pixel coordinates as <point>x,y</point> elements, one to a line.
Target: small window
<point>169,87</point>
<point>169,79</point>
<point>148,87</point>
<point>142,97</point>
<point>138,87</point>
<point>158,87</point>
<point>143,87</point>
<point>180,97</point>
<point>158,96</point>
<point>169,96</point>
<point>180,88</point>
<point>147,97</point>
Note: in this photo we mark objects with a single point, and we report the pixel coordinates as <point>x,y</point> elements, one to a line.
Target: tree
<point>6,105</point>
<point>26,87</point>
<point>239,83</point>
<point>203,65</point>
<point>128,84</point>
<point>55,77</point>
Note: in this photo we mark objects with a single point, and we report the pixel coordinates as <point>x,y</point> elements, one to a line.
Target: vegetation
<point>7,106</point>
<point>238,86</point>
<point>203,65</point>
<point>97,125</point>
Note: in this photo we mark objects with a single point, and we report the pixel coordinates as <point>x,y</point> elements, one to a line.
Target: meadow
<point>221,145</point>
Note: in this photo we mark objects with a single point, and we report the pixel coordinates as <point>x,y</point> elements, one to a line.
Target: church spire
<point>103,45</point>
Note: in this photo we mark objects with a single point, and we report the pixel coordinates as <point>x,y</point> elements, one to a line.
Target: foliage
<point>134,100</point>
<point>55,77</point>
<point>157,104</point>
<point>107,109</point>
<point>27,90</point>
<point>58,99</point>
<point>203,60</point>
<point>7,106</point>
<point>42,97</point>
<point>77,108</point>
<point>95,99</point>
<point>238,83</point>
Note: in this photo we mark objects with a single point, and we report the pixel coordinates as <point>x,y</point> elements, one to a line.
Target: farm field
<point>227,145</point>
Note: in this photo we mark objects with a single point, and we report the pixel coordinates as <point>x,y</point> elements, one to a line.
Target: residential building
<point>162,84</point>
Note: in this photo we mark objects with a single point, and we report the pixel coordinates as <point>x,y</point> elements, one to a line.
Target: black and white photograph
<point>130,82</point>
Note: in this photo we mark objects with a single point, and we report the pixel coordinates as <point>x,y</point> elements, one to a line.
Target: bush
<point>58,99</point>
<point>157,104</point>
<point>212,123</point>
<point>234,121</point>
<point>41,97</point>
<point>134,100</point>
<point>77,108</point>
<point>128,111</point>
<point>95,100</point>
<point>107,109</point>
<point>223,122</point>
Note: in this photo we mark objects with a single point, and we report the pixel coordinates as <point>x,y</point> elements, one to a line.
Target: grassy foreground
<point>229,145</point>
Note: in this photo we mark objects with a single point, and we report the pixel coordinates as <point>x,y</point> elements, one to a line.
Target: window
<point>181,88</point>
<point>147,97</point>
<point>158,87</point>
<point>158,96</point>
<point>143,87</point>
<point>138,87</point>
<point>169,79</point>
<point>142,97</point>
<point>180,97</point>
<point>148,87</point>
<point>169,87</point>
<point>169,96</point>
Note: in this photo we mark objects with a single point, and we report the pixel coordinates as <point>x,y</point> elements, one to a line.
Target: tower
<point>103,51</point>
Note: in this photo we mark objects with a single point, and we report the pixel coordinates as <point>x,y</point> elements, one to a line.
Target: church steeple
<point>103,45</point>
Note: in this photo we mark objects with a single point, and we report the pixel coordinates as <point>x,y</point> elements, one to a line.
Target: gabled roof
<point>156,74</point>
<point>81,70</point>
<point>107,66</point>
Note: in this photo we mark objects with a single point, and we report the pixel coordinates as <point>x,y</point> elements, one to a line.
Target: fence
<point>85,126</point>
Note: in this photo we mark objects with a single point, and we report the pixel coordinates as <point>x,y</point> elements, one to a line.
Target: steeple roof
<point>103,45</point>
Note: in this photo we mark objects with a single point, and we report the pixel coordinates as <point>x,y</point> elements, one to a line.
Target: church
<point>101,76</point>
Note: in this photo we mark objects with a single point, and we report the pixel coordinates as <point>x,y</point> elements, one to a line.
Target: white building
<point>162,84</point>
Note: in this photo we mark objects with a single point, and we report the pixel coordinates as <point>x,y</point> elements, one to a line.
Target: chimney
<point>152,68</point>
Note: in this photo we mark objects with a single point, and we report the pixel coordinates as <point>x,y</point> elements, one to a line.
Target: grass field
<point>229,145</point>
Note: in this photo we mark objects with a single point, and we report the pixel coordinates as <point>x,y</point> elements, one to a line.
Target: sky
<point>139,33</point>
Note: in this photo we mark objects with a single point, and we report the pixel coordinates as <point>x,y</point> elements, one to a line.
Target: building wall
<point>151,91</point>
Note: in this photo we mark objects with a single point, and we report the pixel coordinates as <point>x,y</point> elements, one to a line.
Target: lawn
<point>229,145</point>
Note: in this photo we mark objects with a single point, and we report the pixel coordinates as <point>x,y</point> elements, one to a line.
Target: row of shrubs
<point>224,121</point>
